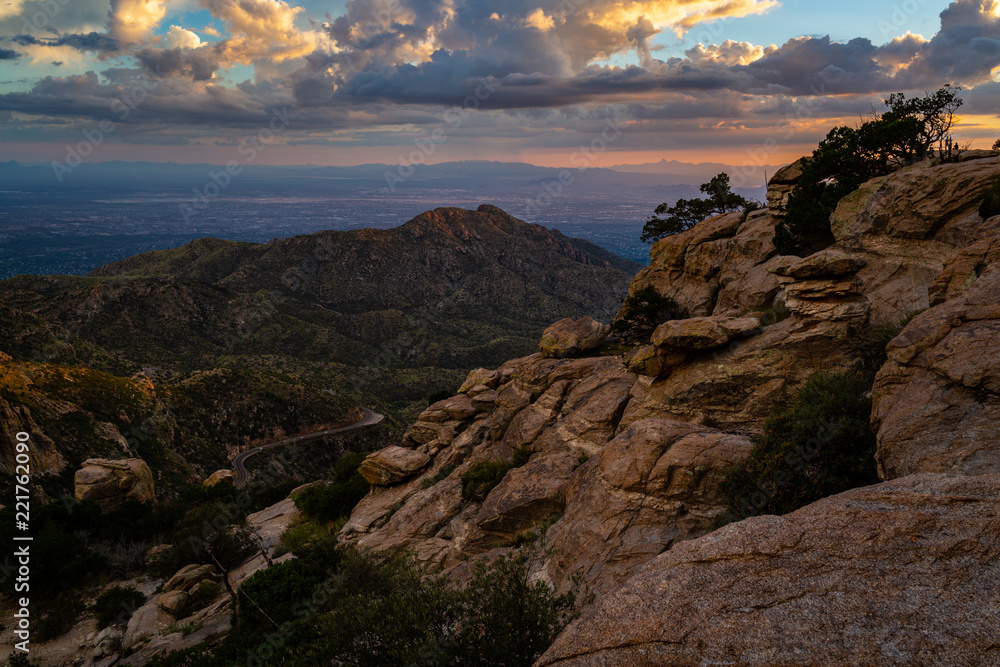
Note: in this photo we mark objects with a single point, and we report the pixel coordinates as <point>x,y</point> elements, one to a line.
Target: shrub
<point>214,533</point>
<point>277,590</point>
<point>116,605</point>
<point>481,478</point>
<point>991,201</point>
<point>823,445</point>
<point>344,606</point>
<point>338,498</point>
<point>297,535</point>
<point>641,313</point>
<point>848,157</point>
<point>506,618</point>
<point>19,659</point>
<point>686,213</point>
<point>59,618</point>
<point>439,395</point>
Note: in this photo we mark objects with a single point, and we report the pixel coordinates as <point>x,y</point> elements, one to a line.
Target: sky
<point>550,82</point>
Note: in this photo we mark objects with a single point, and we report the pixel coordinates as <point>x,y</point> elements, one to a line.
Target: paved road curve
<point>370,418</point>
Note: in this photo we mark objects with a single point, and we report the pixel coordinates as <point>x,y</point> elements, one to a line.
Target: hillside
<point>451,288</point>
<point>286,336</point>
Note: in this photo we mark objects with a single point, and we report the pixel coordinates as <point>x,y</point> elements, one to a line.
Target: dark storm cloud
<point>92,41</point>
<point>197,64</point>
<point>9,54</point>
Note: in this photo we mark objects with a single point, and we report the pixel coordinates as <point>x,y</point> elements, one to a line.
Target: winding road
<point>370,418</point>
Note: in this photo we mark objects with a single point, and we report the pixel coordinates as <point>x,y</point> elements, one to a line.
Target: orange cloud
<point>260,29</point>
<point>133,21</point>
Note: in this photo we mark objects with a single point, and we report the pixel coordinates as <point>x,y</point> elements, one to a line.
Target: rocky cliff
<point>612,460</point>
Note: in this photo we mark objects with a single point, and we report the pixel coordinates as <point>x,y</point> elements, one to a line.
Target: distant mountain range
<point>491,173</point>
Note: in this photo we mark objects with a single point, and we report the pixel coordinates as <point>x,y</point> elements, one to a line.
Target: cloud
<point>178,37</point>
<point>197,64</point>
<point>89,42</point>
<point>387,66</point>
<point>9,54</point>
<point>260,29</point>
<point>133,21</point>
<point>11,8</point>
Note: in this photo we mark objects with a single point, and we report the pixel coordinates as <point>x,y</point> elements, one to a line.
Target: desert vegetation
<point>906,133</point>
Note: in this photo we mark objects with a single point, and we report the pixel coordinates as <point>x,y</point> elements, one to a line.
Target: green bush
<point>19,659</point>
<point>214,533</point>
<point>277,590</point>
<point>116,605</point>
<point>481,478</point>
<point>338,498</point>
<point>506,619</point>
<point>641,313</point>
<point>823,445</point>
<point>297,535</point>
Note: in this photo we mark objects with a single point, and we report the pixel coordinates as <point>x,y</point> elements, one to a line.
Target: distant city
<point>107,212</point>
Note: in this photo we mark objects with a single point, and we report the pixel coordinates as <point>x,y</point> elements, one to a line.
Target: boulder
<point>901,573</point>
<point>936,402</point>
<point>455,408</point>
<point>110,483</point>
<point>781,185</point>
<point>188,576</point>
<point>220,477</point>
<point>529,494</point>
<point>830,263</point>
<point>485,400</point>
<point>483,376</point>
<point>697,334</point>
<point>392,465</point>
<point>173,602</point>
<point>685,266</point>
<point>569,337</point>
<point>270,523</point>
<point>147,622</point>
